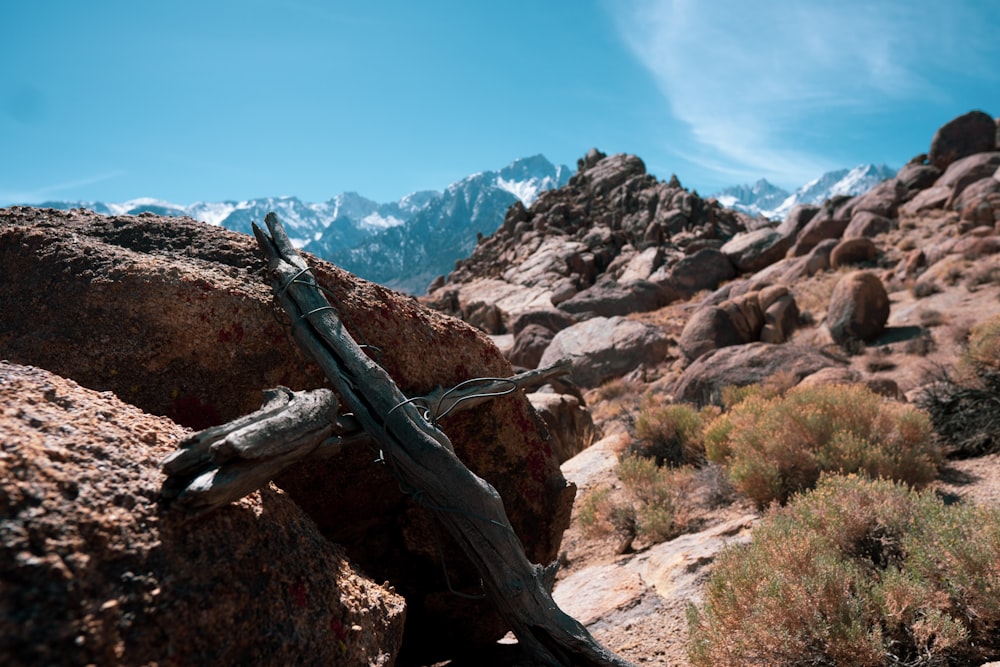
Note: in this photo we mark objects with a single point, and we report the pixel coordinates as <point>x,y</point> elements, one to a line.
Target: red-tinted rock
<point>176,317</point>
<point>94,572</point>
<point>974,132</point>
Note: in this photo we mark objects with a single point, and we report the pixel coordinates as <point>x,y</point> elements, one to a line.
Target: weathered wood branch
<point>423,461</point>
<point>218,465</point>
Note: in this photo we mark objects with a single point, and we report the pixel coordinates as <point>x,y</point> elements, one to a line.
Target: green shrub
<point>856,572</point>
<point>774,447</point>
<point>670,434</point>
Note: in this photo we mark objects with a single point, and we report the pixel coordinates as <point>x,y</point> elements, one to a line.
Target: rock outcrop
<point>176,317</point>
<point>92,571</point>
<point>769,314</point>
<point>612,225</point>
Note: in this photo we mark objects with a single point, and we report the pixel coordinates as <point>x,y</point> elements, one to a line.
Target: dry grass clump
<point>655,500</point>
<point>670,434</point>
<point>614,399</point>
<point>965,410</point>
<point>652,504</point>
<point>859,573</point>
<point>774,447</point>
<point>982,356</point>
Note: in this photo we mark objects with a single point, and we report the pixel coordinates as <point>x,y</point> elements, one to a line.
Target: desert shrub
<point>773,447</point>
<point>669,434</point>
<point>856,572</point>
<point>963,408</point>
<point>614,399</point>
<point>652,504</point>
<point>657,495</point>
<point>600,513</point>
<point>773,386</point>
<point>982,356</point>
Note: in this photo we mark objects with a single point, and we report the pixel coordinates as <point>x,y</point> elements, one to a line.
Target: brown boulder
<point>702,269</point>
<point>883,199</point>
<point>94,572</point>
<point>853,251</point>
<point>867,223</point>
<point>529,344</point>
<point>703,381</point>
<point>926,200</point>
<point>780,319</point>
<point>980,202</point>
<point>176,317</point>
<point>797,219</point>
<point>603,348</point>
<point>708,329</point>
<point>974,132</point>
<point>917,176</point>
<point>608,299</point>
<point>859,308</point>
<point>967,171</point>
<point>568,420</point>
<point>768,314</point>
<point>550,318</point>
<point>752,251</point>
<point>829,223</point>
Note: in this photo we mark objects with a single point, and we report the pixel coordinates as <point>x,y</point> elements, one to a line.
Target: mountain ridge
<point>770,201</point>
<point>403,244</point>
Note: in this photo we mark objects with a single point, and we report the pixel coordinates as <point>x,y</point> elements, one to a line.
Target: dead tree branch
<point>423,461</point>
<point>221,464</point>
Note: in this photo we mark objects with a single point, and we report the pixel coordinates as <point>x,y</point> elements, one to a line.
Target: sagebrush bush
<point>669,434</point>
<point>856,572</point>
<point>773,447</point>
<point>657,496</point>
<point>982,355</point>
<point>653,502</point>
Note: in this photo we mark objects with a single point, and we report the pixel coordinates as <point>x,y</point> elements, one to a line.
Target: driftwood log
<point>226,462</point>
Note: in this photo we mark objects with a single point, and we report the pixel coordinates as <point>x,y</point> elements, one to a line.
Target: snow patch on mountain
<point>768,200</point>
<point>404,244</point>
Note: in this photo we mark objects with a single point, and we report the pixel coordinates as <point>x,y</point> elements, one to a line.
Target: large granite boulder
<point>176,317</point>
<point>608,298</point>
<point>92,571</point>
<point>752,251</point>
<point>703,381</point>
<point>602,348</point>
<point>974,132</point>
<point>859,308</point>
<point>769,313</point>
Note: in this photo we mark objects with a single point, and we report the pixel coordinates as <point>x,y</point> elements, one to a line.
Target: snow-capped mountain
<point>403,244</point>
<point>753,199</point>
<point>408,257</point>
<point>763,198</point>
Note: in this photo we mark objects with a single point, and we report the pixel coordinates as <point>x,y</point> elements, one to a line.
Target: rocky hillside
<point>617,242</point>
<point>658,298</point>
<point>606,244</point>
<point>147,327</point>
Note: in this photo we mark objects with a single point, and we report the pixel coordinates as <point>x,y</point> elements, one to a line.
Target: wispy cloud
<point>751,80</point>
<point>38,194</point>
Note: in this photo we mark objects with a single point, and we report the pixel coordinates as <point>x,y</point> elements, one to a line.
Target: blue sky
<point>206,101</point>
